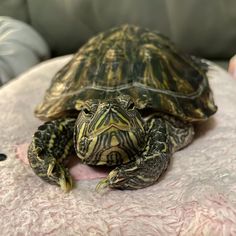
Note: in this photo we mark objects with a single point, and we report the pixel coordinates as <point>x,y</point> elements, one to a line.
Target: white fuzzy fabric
<point>196,196</point>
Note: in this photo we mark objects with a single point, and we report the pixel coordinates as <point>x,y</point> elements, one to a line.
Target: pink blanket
<point>196,196</point>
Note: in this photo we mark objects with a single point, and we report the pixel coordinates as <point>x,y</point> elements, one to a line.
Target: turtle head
<point>109,132</point>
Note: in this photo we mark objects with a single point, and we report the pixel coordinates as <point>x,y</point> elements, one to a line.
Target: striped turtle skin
<point>127,98</point>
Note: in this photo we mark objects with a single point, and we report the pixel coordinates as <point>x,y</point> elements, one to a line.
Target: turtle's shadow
<point>75,160</point>
<point>202,128</point>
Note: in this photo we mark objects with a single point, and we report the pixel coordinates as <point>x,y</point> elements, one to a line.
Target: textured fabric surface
<point>196,196</point>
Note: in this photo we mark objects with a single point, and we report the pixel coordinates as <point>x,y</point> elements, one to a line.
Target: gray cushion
<point>21,47</point>
<point>17,9</point>
<point>205,28</point>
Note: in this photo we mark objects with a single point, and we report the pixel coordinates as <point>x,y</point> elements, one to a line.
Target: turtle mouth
<point>113,156</point>
<point>110,128</point>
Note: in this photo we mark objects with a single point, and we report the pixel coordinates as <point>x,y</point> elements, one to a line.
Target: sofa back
<point>204,28</point>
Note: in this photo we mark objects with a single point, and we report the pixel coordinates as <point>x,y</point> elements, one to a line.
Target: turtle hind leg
<point>51,144</point>
<point>164,136</point>
<point>181,133</point>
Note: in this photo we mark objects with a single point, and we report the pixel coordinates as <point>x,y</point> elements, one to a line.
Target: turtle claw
<point>103,184</point>
<point>50,168</point>
<point>66,183</point>
<point>112,181</point>
<point>61,177</point>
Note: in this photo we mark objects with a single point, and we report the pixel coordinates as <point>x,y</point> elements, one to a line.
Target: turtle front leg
<point>51,144</point>
<point>165,135</point>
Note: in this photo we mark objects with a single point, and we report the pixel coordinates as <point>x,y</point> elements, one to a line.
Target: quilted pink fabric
<point>196,196</point>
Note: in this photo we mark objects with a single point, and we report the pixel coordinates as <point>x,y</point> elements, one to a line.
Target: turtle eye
<point>87,111</point>
<point>131,106</point>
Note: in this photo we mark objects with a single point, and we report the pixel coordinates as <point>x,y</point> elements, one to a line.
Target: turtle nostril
<point>108,107</point>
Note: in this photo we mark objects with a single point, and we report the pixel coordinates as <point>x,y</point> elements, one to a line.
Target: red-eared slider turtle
<point>127,99</point>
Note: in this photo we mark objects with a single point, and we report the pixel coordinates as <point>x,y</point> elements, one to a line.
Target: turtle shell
<point>133,61</point>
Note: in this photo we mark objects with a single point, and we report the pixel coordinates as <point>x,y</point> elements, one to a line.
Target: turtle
<point>128,99</point>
